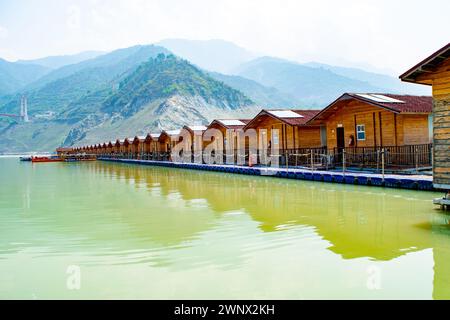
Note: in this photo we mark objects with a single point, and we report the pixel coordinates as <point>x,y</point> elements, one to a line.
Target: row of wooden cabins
<point>360,123</point>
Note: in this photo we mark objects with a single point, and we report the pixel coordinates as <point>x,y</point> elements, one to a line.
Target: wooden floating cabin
<point>168,139</point>
<point>104,148</point>
<point>196,134</point>
<point>138,146</point>
<point>376,120</point>
<point>110,147</point>
<point>152,144</point>
<point>119,146</point>
<point>64,151</point>
<point>435,72</point>
<point>294,132</point>
<point>228,128</point>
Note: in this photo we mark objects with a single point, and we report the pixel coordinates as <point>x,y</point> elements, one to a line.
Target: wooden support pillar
<point>374,130</point>
<point>395,128</point>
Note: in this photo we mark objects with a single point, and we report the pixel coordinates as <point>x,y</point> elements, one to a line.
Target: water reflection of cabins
<point>358,222</point>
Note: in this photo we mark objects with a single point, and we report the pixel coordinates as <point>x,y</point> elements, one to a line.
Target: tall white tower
<point>21,107</point>
<point>24,109</point>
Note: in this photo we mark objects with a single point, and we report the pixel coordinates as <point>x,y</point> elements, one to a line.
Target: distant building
<point>63,150</point>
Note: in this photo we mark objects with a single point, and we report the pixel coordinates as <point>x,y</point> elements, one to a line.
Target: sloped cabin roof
<point>392,102</point>
<point>287,116</point>
<point>64,149</point>
<point>428,65</point>
<point>193,129</point>
<point>120,142</point>
<point>152,137</point>
<point>169,133</point>
<point>138,139</point>
<point>235,124</point>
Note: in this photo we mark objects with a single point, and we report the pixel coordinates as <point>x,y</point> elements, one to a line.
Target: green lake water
<point>137,232</point>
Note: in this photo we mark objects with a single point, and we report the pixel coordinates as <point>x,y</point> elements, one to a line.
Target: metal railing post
<point>312,160</point>
<point>382,164</point>
<point>378,159</point>
<point>286,157</point>
<point>432,155</point>
<point>416,158</point>
<point>343,161</point>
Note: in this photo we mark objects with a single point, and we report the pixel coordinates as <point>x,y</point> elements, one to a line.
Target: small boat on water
<point>46,159</point>
<point>25,158</point>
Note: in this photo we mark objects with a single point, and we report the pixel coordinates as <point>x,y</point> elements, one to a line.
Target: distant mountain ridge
<point>55,62</point>
<point>388,83</point>
<point>14,76</point>
<point>262,95</point>
<point>165,92</point>
<point>314,87</point>
<point>212,55</point>
<point>144,88</point>
<point>101,99</point>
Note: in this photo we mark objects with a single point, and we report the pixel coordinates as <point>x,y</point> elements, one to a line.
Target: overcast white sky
<point>388,35</point>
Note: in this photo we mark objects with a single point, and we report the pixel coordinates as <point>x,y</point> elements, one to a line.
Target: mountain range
<point>94,96</point>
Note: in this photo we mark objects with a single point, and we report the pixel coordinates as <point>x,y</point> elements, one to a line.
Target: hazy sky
<point>385,34</point>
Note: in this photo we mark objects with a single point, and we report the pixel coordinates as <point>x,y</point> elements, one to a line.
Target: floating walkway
<point>390,180</point>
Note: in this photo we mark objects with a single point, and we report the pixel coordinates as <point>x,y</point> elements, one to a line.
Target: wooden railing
<point>395,157</point>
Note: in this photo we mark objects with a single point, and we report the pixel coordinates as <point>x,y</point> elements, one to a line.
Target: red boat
<point>46,159</point>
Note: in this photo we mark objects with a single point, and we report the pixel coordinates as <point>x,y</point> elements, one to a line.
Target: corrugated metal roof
<point>173,132</point>
<point>408,104</point>
<point>405,104</point>
<point>285,114</point>
<point>231,122</point>
<point>301,117</point>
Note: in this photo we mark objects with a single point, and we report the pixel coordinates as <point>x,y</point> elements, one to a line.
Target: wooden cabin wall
<point>166,140</point>
<point>291,137</point>
<point>382,127</point>
<point>441,125</point>
<point>307,137</point>
<point>223,130</point>
<point>414,129</point>
<point>269,124</point>
<point>154,146</point>
<point>163,144</point>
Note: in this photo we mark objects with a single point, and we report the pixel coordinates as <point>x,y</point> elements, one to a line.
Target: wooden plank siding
<point>382,127</point>
<point>441,128</point>
<point>290,137</point>
<point>440,81</point>
<point>231,135</point>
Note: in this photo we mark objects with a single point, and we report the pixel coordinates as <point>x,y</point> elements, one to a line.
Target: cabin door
<point>340,143</point>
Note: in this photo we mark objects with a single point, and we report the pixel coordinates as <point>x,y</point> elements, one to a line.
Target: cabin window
<point>275,136</point>
<point>361,132</point>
